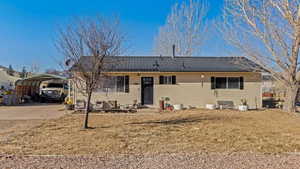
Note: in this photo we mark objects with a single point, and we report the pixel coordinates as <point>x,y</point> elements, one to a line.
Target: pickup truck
<point>54,92</point>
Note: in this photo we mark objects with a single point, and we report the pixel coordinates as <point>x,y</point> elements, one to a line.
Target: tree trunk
<point>87,110</point>
<point>290,99</point>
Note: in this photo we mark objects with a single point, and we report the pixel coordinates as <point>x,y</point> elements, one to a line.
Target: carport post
<point>69,89</point>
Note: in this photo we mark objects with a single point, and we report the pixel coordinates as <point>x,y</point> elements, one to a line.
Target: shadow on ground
<point>179,121</point>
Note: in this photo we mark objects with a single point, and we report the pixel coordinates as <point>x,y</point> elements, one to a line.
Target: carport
<point>31,86</point>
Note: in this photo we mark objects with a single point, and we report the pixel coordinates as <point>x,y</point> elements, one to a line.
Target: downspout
<point>69,89</point>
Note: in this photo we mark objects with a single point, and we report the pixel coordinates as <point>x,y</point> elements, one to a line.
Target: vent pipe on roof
<point>173,56</point>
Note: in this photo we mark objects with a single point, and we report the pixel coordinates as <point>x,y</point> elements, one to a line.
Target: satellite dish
<point>68,62</point>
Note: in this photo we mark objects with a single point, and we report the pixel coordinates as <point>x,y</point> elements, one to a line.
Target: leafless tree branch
<point>88,46</point>
<point>267,32</point>
<point>185,28</point>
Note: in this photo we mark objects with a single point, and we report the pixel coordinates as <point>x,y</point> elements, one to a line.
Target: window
<point>233,82</point>
<point>167,80</point>
<point>221,83</point>
<point>120,84</point>
<point>55,85</point>
<point>66,86</point>
<point>115,84</point>
<point>227,83</point>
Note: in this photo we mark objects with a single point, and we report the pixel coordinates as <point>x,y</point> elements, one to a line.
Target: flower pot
<point>243,108</point>
<point>211,106</point>
<point>69,106</point>
<point>178,107</point>
<point>162,105</point>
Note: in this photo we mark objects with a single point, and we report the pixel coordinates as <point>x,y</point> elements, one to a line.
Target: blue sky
<point>27,27</point>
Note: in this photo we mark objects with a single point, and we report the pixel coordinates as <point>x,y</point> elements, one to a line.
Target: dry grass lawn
<point>269,131</point>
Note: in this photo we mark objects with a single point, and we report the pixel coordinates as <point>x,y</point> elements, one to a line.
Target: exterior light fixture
<point>202,78</point>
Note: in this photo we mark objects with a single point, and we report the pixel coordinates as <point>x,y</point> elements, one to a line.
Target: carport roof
<point>41,77</point>
<point>45,77</point>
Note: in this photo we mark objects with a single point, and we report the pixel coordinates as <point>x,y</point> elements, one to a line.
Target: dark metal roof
<point>176,64</point>
<point>267,78</point>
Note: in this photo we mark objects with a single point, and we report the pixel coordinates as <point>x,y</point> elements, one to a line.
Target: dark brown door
<point>147,90</point>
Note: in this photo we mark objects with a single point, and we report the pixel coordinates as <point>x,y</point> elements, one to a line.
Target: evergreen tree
<point>24,72</point>
<point>10,70</point>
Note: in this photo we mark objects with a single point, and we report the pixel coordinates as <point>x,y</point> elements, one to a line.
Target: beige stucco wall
<point>191,89</point>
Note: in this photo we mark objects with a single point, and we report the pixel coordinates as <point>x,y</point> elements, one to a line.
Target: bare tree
<point>88,45</point>
<point>185,28</point>
<point>34,68</point>
<point>54,72</point>
<point>268,33</point>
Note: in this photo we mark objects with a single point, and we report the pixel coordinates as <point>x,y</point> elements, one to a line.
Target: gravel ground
<point>173,161</point>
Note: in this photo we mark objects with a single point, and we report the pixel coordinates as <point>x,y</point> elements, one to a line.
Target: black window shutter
<point>161,80</point>
<point>241,83</point>
<point>173,79</point>
<point>212,81</point>
<point>126,84</point>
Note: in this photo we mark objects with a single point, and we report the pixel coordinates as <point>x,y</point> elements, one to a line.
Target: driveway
<point>32,112</point>
<point>15,119</point>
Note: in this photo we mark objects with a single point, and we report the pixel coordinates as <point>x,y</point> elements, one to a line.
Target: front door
<point>147,90</point>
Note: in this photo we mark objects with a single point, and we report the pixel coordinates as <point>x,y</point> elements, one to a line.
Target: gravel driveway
<point>172,161</point>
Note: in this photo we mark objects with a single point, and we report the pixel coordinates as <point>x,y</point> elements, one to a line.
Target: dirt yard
<point>32,111</point>
<point>268,131</point>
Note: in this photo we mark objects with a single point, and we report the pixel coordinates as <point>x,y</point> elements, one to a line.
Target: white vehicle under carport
<point>42,88</point>
<point>53,91</point>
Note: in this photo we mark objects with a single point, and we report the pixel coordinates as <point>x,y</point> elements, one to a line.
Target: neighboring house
<point>191,81</point>
<point>7,82</point>
<point>272,88</point>
<point>268,83</point>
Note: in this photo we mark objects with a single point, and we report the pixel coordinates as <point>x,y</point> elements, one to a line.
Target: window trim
<point>240,85</point>
<point>226,82</point>
<point>125,86</point>
<point>121,86</point>
<point>173,80</point>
